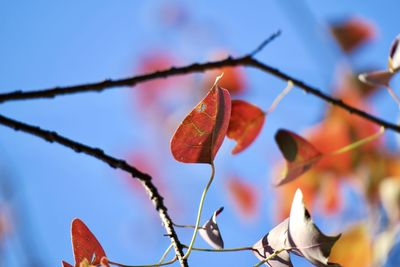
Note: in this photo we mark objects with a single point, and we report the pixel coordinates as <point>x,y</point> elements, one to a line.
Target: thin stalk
<point>203,196</point>
<point>270,257</point>
<point>358,143</point>
<point>165,253</point>
<point>280,96</point>
<point>220,250</point>
<point>186,226</point>
<point>149,265</point>
<point>393,95</point>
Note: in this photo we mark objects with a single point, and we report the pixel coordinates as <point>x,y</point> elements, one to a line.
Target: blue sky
<point>48,43</point>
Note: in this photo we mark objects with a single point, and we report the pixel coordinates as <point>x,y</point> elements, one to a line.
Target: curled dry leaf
<point>383,77</point>
<point>245,124</point>
<point>202,132</point>
<point>275,240</point>
<point>376,78</point>
<point>304,236</point>
<point>210,231</point>
<point>85,245</point>
<point>394,55</point>
<point>299,154</point>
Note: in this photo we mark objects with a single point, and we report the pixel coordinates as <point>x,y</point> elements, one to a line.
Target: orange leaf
<point>353,248</point>
<point>352,33</point>
<point>299,154</point>
<point>245,124</point>
<point>244,196</point>
<point>85,244</point>
<point>202,132</point>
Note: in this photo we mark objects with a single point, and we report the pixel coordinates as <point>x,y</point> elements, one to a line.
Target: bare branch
<point>264,43</point>
<point>193,68</point>
<point>247,60</point>
<point>99,154</point>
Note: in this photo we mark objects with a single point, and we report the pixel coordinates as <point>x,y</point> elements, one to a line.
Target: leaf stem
<point>220,250</point>
<point>270,257</point>
<point>147,265</point>
<point>203,196</point>
<point>187,226</point>
<point>393,95</point>
<point>165,253</point>
<point>280,96</point>
<point>358,143</point>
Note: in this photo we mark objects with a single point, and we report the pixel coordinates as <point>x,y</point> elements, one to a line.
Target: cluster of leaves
<point>329,151</point>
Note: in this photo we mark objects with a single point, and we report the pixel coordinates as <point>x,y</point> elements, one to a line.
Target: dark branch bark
<point>99,154</point>
<point>247,60</point>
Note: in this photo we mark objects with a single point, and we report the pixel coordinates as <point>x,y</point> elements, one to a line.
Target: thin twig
<point>144,178</point>
<point>247,60</point>
<point>264,43</point>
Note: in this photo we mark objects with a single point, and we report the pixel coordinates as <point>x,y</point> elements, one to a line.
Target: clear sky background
<point>52,43</point>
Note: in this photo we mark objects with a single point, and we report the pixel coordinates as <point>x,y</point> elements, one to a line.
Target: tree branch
<point>115,163</point>
<point>247,60</point>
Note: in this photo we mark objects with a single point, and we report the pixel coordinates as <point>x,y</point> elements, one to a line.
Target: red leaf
<point>245,124</point>
<point>66,264</point>
<point>352,33</point>
<point>85,244</point>
<point>202,132</point>
<point>244,196</point>
<point>299,154</point>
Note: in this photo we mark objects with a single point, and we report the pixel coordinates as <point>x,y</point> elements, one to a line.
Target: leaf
<point>376,78</point>
<point>305,237</point>
<point>275,240</point>
<point>210,231</point>
<point>352,33</point>
<point>202,132</point>
<point>299,154</point>
<point>66,264</point>
<point>354,247</point>
<point>394,55</point>
<point>85,244</point>
<point>389,193</point>
<point>244,196</point>
<point>245,124</point>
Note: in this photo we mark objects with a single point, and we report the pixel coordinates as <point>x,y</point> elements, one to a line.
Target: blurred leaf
<point>383,245</point>
<point>330,189</point>
<point>353,248</point>
<point>245,124</point>
<point>244,196</point>
<point>275,240</point>
<point>202,132</point>
<point>210,231</point>
<point>234,80</point>
<point>352,33</point>
<point>305,237</point>
<point>389,193</point>
<point>299,154</point>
